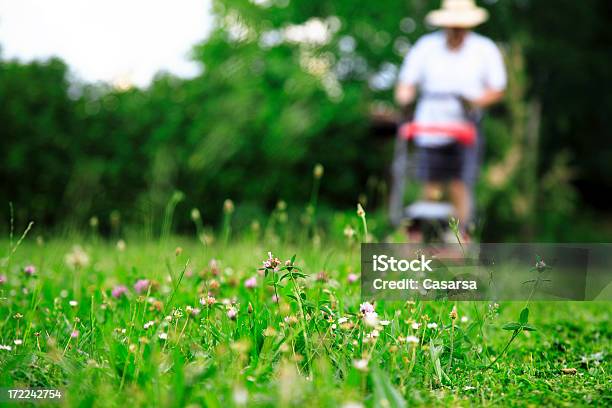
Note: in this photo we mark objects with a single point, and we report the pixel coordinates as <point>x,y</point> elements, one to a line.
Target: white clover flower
<point>77,258</point>
<point>371,319</point>
<point>163,336</point>
<point>240,396</point>
<point>352,404</point>
<point>349,232</point>
<point>415,326</point>
<point>432,326</point>
<point>148,324</point>
<point>73,303</point>
<point>18,342</point>
<point>361,365</point>
<point>412,339</point>
<point>342,320</point>
<point>5,347</point>
<point>464,319</point>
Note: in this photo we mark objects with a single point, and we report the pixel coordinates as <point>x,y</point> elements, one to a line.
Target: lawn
<point>177,322</point>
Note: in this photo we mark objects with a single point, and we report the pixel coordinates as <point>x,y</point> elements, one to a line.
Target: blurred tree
<point>37,146</point>
<point>287,84</point>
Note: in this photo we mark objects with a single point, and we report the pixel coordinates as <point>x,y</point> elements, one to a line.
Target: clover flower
<point>271,262</point>
<point>371,319</point>
<point>192,311</point>
<point>18,342</point>
<point>3,279</point>
<point>352,278</point>
<point>163,336</point>
<point>208,301</point>
<point>432,326</point>
<point>240,396</point>
<point>415,326</point>
<point>540,265</point>
<point>366,307</point>
<point>77,258</point>
<point>119,291</point>
<point>214,284</point>
<point>250,283</point>
<point>148,324</point>
<point>412,339</point>
<point>349,232</point>
<point>142,285</point>
<point>291,320</point>
<point>214,266</point>
<point>73,303</point>
<point>361,365</point>
<point>232,313</point>
<point>74,334</point>
<point>5,347</point>
<point>29,270</point>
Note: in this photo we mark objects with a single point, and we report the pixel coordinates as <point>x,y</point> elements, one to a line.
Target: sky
<point>124,42</point>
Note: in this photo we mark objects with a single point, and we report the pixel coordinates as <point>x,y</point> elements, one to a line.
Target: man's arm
<point>488,98</point>
<point>495,78</point>
<point>405,94</point>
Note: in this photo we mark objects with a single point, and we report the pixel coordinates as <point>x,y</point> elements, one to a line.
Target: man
<point>456,74</point>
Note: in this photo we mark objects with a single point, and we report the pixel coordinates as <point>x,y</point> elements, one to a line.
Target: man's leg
<point>461,198</point>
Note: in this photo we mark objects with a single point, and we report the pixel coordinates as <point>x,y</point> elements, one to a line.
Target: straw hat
<point>458,13</point>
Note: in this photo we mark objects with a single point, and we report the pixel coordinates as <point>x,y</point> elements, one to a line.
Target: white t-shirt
<point>440,73</point>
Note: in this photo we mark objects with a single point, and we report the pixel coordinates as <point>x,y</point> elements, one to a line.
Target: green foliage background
<point>263,112</point>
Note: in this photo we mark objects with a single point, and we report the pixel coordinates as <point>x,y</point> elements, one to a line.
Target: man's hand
<point>405,94</point>
<point>488,98</point>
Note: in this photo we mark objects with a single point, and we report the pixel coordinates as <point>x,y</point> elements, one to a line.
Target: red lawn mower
<point>426,221</point>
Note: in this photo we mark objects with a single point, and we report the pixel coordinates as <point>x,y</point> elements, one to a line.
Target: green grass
<point>291,353</point>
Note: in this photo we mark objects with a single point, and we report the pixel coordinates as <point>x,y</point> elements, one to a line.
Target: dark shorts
<point>443,163</point>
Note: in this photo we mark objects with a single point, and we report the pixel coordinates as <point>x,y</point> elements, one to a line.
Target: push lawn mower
<point>426,221</point>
